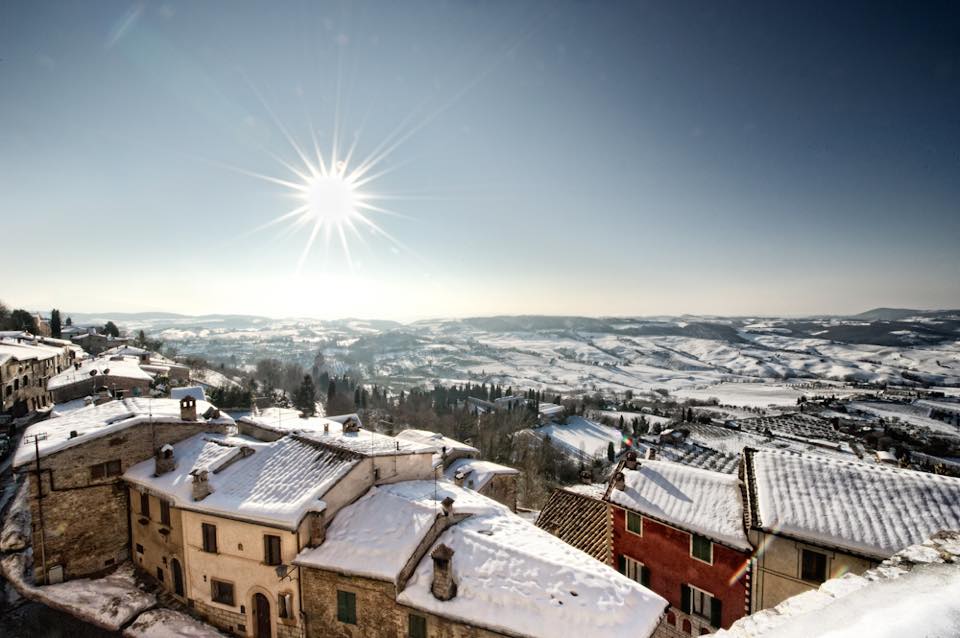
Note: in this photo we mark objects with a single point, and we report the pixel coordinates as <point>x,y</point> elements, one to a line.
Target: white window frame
<point>706,600</point>
<point>697,558</point>
<point>633,569</point>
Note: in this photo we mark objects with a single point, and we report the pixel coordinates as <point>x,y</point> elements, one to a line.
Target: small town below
<point>150,493</point>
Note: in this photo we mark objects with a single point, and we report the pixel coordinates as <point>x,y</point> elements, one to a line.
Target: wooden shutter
<point>622,564</point>
<point>684,599</point>
<point>716,615</point>
<point>645,576</point>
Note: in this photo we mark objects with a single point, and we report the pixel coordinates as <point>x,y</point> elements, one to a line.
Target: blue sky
<point>562,157</point>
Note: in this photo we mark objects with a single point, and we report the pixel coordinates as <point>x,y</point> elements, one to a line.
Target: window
<point>221,592</point>
<point>347,607</point>
<point>416,626</point>
<point>634,523</point>
<point>165,512</point>
<point>103,470</point>
<point>813,566</point>
<point>209,538</point>
<point>701,548</point>
<point>145,504</point>
<point>271,550</point>
<point>700,603</point>
<point>635,570</point>
<point>160,574</point>
<point>139,548</point>
<point>285,605</point>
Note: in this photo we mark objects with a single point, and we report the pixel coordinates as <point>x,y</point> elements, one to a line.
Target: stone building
<point>459,462</point>
<point>432,559</point>
<point>815,518</point>
<point>493,480</point>
<point>78,503</point>
<point>117,376</point>
<point>218,520</point>
<point>27,363</point>
<point>95,343</point>
<point>679,530</point>
<point>153,363</point>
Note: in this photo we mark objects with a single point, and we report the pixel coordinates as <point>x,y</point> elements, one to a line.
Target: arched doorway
<point>177,577</point>
<point>261,616</point>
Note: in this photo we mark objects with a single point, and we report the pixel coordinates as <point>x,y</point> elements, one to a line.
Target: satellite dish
<point>106,371</point>
<point>93,373</point>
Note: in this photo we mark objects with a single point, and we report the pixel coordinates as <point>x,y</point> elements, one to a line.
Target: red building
<point>679,531</point>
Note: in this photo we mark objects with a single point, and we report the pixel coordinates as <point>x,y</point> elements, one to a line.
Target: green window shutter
<point>645,576</point>
<point>716,615</point>
<point>622,564</point>
<point>684,599</point>
<point>417,627</point>
<point>347,607</point>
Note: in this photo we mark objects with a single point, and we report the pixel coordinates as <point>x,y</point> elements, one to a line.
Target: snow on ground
<point>907,413</point>
<point>164,623</point>
<point>109,602</point>
<point>752,395</point>
<point>15,533</point>
<point>581,438</point>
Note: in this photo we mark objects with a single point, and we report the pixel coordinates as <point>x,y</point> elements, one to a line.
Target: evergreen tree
<point>142,339</point>
<point>331,391</point>
<point>69,321</point>
<point>306,396</point>
<point>111,329</point>
<point>21,320</point>
<point>56,328</point>
<point>611,452</point>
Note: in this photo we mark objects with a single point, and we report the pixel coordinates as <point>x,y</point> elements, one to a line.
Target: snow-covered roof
<point>476,473</point>
<point>275,483</point>
<point>375,536</point>
<point>700,501</point>
<point>916,592</point>
<point>100,420</point>
<point>194,391</point>
<point>515,578</point>
<point>867,509</point>
<point>128,367</point>
<point>127,350</point>
<point>27,351</point>
<point>363,442</point>
<point>549,409</point>
<point>436,441</point>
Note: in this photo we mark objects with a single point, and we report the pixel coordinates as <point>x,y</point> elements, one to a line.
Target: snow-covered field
<point>581,438</point>
<point>582,355</point>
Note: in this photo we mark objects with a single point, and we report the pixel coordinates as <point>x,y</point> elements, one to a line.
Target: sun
<point>331,199</point>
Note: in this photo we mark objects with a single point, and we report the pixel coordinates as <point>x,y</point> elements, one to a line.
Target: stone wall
<point>85,520</point>
<point>503,489</point>
<point>88,386</point>
<point>378,613</point>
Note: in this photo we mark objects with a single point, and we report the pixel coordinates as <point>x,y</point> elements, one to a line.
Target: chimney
<point>586,477</point>
<point>459,478</point>
<point>351,425</point>
<point>201,486</point>
<point>620,482</point>
<point>631,460</point>
<point>447,504</point>
<point>651,454</point>
<point>326,427</point>
<point>188,409</point>
<point>164,461</point>
<point>144,357</point>
<point>443,587</point>
<point>318,531</point>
